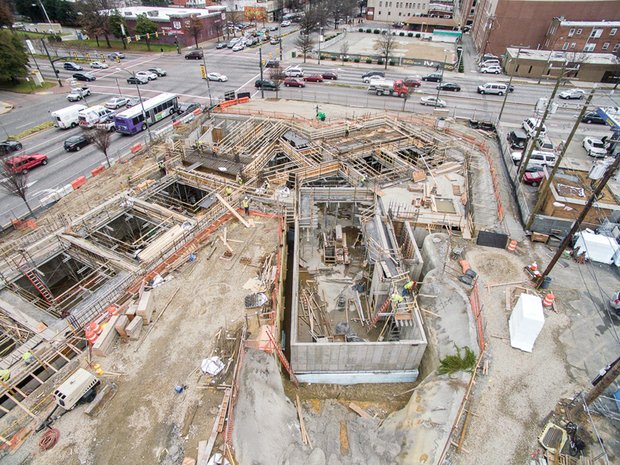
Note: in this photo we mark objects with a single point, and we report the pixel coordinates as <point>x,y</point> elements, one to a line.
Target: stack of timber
<point>105,342</point>
<point>145,307</point>
<point>134,328</point>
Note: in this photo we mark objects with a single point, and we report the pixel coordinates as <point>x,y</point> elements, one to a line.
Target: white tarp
<point>526,322</point>
<point>598,248</point>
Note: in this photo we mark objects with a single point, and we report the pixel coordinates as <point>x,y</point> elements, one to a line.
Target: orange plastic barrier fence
<point>79,182</point>
<point>136,148</point>
<point>100,169</point>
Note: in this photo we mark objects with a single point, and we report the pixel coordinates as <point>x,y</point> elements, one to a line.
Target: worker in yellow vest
<point>27,357</point>
<point>409,287</point>
<point>5,375</point>
<point>246,205</point>
<point>229,193</point>
<point>396,298</point>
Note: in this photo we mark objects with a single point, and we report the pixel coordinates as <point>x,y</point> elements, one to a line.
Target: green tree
<point>61,11</point>
<point>13,58</point>
<point>95,20</point>
<point>116,21</point>
<point>194,28</point>
<point>145,27</point>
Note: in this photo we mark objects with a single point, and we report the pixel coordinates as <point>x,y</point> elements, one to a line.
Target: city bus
<point>131,121</point>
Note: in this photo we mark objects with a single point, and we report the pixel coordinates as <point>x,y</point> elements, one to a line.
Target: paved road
<point>242,69</point>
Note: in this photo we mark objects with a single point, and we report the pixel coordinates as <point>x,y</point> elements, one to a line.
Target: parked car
<point>274,41</point>
<point>86,76</point>
<point>194,55</point>
<point>75,143</point>
<point>572,94</point>
<point>293,82</point>
<point>265,84</point>
<point>530,126</point>
<point>133,101</point>
<point>294,72</point>
<point>412,82</point>
<point>238,47</point>
<point>217,77</point>
<point>433,77</point>
<point>116,102</point>
<point>9,146</point>
<point>313,78</point>
<point>272,64</point>
<point>115,55</point>
<point>273,28</point>
<point>595,147</point>
<point>332,75</point>
<point>592,117</point>
<point>488,56</point>
<point>77,94</point>
<point>491,69</point>
<point>98,65</point>
<point>534,178</point>
<point>538,159</point>
<point>285,24</point>
<point>24,163</point>
<point>449,86</point>
<point>433,102</point>
<point>147,75</point>
<point>517,138</point>
<point>187,107</point>
<point>497,88</point>
<point>158,71</point>
<point>221,45</point>
<point>366,76</point>
<point>72,66</point>
<point>137,80</point>
<point>544,144</point>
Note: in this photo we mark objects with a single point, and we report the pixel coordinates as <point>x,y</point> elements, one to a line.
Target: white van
<point>538,158</point>
<point>530,126</point>
<point>89,117</point>
<point>68,117</point>
<point>496,88</point>
<point>544,144</point>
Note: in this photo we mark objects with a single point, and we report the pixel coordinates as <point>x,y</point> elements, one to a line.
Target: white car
<point>530,126</point>
<point>491,69</point>
<point>572,94</point>
<point>98,65</point>
<point>595,147</point>
<point>238,47</point>
<point>78,94</point>
<point>294,72</point>
<point>375,78</point>
<point>217,77</point>
<point>285,24</point>
<point>433,102</point>
<point>116,102</point>
<point>147,74</point>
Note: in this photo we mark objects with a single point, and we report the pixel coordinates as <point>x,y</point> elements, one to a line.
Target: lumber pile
<point>120,326</point>
<point>105,342</point>
<point>131,311</point>
<point>145,306</point>
<point>134,328</point>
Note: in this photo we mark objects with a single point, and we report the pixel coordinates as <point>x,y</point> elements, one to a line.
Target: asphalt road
<point>242,69</point>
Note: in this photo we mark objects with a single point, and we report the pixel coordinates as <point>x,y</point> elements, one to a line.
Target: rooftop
<point>602,23</point>
<point>559,56</point>
<point>164,14</point>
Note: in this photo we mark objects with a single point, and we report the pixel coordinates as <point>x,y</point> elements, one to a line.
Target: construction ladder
<point>36,282</point>
<point>381,310</point>
<point>282,357</point>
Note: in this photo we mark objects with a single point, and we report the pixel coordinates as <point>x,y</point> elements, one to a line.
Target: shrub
<point>392,62</point>
<point>461,66</point>
<point>333,58</point>
<point>410,34</point>
<point>380,61</point>
<point>356,60</point>
<point>368,31</point>
<point>369,60</point>
<point>361,29</point>
<point>345,59</point>
<point>323,57</point>
<point>401,33</point>
<point>417,36</point>
<point>458,362</point>
<point>376,31</point>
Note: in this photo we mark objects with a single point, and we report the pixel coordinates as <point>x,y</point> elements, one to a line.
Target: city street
<point>242,69</point>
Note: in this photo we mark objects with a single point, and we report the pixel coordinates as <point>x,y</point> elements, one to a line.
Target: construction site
<point>260,288</point>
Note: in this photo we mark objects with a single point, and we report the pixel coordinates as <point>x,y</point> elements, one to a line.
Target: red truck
<point>389,87</point>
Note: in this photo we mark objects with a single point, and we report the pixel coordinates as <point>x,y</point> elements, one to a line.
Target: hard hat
<point>245,198</point>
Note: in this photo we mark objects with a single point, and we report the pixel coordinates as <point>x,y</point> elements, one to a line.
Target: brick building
<point>499,24</point>
<point>395,11</point>
<point>583,36</point>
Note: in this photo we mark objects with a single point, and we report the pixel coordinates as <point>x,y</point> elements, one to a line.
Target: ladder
<point>381,310</point>
<point>282,358</point>
<point>39,285</point>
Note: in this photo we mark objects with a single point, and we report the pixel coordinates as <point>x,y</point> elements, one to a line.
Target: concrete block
<point>105,342</point>
<point>146,307</point>
<point>134,327</point>
<point>121,324</point>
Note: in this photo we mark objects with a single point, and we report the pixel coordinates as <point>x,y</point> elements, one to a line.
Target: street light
<point>512,73</point>
<point>320,34</point>
<point>204,63</point>
<point>146,120</point>
<point>443,68</point>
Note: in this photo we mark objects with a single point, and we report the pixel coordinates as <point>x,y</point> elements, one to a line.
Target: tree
<point>13,57</point>
<point>305,44</point>
<point>344,49</point>
<point>95,20</point>
<point>384,45</point>
<point>14,184</point>
<point>61,11</point>
<point>116,21</point>
<point>307,24</point>
<point>102,138</point>
<point>145,27</point>
<point>194,28</point>
<point>341,10</point>
<point>276,74</point>
<point>6,15</point>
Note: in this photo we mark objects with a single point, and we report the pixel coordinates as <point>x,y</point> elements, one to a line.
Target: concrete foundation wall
<point>356,356</point>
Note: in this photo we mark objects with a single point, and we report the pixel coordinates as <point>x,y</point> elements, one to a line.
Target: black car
<point>72,66</point>
<point>75,143</point>
<point>221,45</point>
<point>187,107</point>
<point>330,75</point>
<point>194,55</point>
<point>265,84</point>
<point>159,71</point>
<point>136,80</point>
<point>9,146</point>
<point>272,64</point>
<point>84,77</point>
<point>373,73</point>
<point>433,77</point>
<point>592,117</point>
<point>449,86</point>
<point>517,138</point>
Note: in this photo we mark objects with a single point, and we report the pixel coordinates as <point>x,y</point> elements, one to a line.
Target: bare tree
<point>15,183</point>
<point>194,28</point>
<point>305,44</point>
<point>307,24</point>
<point>384,45</point>
<point>407,95</point>
<point>276,74</point>
<point>344,49</point>
<point>102,138</point>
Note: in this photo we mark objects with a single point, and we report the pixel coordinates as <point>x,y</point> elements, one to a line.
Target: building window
<point>589,47</point>
<point>399,13</point>
<point>389,12</point>
<point>616,47</point>
<point>605,45</point>
<point>565,46</point>
<point>571,33</point>
<point>579,31</point>
<point>380,4</point>
<point>573,45</point>
<point>612,32</point>
<point>596,33</point>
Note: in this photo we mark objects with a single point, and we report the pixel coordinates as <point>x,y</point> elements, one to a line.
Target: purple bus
<point>131,121</point>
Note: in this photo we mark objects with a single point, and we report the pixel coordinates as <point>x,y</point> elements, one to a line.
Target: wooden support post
<point>61,354</point>
<point>233,211</point>
<point>20,405</point>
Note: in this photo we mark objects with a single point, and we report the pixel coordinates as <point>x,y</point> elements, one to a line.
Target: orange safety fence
<point>98,170</point>
<point>476,307</point>
<point>78,182</point>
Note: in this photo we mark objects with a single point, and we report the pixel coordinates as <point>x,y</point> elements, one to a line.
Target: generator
<point>80,385</point>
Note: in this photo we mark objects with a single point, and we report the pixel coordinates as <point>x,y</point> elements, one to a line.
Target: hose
<point>49,439</point>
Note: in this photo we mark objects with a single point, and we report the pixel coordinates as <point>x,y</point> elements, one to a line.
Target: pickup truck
<point>78,93</point>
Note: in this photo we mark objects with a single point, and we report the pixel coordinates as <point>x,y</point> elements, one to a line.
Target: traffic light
<point>148,36</point>
<point>157,34</point>
<point>128,39</point>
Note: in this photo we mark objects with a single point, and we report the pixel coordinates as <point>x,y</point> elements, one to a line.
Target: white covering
<point>598,248</point>
<point>526,322</point>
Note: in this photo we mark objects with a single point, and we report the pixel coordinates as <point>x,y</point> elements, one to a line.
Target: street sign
<point>203,71</point>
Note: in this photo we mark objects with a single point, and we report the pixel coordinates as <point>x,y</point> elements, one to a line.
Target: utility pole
<point>524,163</point>
<point>547,183</point>
<point>45,12</point>
<point>443,68</point>
<point>512,73</point>
<point>599,188</point>
<point>51,62</point>
<point>601,383</point>
<point>260,63</point>
<point>207,79</point>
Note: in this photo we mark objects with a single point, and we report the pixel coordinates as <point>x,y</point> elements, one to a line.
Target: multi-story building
<point>395,11</point>
<point>583,36</point>
<point>499,24</point>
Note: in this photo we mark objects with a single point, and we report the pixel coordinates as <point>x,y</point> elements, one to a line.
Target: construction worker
<point>246,205</point>
<point>409,287</point>
<point>362,181</point>
<point>5,375</point>
<point>229,192</point>
<point>396,298</point>
<point>27,357</point>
